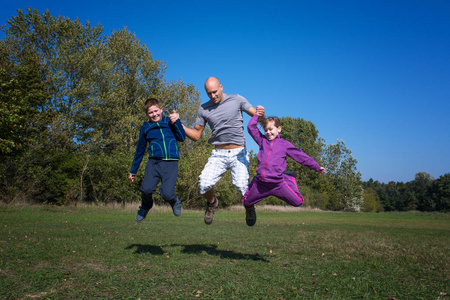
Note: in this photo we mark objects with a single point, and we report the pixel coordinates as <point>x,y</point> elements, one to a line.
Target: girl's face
<point>154,113</point>
<point>271,131</point>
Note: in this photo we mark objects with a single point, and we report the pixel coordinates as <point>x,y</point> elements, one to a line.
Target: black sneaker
<point>250,215</point>
<point>209,213</point>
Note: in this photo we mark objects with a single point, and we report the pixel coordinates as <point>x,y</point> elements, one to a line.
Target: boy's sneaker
<point>250,215</point>
<point>209,213</point>
<point>141,214</point>
<point>176,207</point>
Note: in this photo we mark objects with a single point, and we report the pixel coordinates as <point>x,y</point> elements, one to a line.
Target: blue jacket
<point>162,138</point>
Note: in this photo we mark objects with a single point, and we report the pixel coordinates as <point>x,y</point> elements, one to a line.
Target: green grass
<point>99,252</point>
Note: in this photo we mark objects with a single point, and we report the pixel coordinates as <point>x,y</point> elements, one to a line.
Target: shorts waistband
<point>230,151</point>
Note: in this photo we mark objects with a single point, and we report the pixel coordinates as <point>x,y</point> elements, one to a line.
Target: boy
<point>161,134</point>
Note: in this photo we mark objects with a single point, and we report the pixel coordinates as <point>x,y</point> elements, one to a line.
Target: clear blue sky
<point>373,73</point>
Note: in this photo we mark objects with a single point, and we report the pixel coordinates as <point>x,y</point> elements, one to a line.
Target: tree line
<point>424,193</point>
<point>72,105</point>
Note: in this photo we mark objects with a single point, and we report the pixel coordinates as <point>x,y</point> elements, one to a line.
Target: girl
<point>270,179</point>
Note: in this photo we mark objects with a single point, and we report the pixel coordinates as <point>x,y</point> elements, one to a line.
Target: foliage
<point>72,107</point>
<point>371,201</point>
<point>303,135</point>
<point>343,176</point>
<point>424,193</point>
<point>22,98</point>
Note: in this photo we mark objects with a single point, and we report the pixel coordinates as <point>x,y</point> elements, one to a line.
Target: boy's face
<point>154,113</point>
<point>271,131</point>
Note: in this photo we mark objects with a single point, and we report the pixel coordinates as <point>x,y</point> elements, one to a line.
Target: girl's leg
<point>253,193</point>
<point>288,191</point>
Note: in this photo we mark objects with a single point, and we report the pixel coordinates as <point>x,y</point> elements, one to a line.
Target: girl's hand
<point>260,110</point>
<point>322,171</point>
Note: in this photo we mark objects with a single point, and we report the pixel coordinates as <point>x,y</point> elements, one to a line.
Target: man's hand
<point>174,116</point>
<point>260,110</point>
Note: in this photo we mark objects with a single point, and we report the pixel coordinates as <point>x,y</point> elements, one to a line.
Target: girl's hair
<point>150,102</point>
<point>265,121</point>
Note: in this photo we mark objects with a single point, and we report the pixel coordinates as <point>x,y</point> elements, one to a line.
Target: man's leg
<point>240,174</point>
<point>212,172</point>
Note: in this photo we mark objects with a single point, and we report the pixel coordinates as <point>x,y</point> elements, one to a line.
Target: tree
<point>371,201</point>
<point>303,135</point>
<point>421,186</point>
<point>94,87</point>
<point>342,173</point>
<point>441,193</point>
<point>22,96</point>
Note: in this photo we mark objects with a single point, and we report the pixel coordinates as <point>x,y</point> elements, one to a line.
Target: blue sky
<point>375,74</point>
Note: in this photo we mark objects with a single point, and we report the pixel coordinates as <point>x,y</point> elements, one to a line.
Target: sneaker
<point>141,214</point>
<point>250,215</point>
<point>176,207</point>
<point>209,213</point>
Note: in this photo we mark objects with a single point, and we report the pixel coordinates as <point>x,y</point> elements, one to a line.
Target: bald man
<point>223,114</point>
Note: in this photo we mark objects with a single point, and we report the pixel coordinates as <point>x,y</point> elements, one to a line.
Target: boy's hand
<point>131,177</point>
<point>260,110</point>
<point>174,116</point>
<point>322,171</point>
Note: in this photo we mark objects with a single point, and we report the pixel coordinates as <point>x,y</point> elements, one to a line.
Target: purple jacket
<point>272,155</point>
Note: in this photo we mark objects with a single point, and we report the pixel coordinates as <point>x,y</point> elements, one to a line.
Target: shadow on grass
<point>140,249</point>
<point>196,249</point>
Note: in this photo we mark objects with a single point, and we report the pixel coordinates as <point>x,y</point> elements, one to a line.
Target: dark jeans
<point>157,170</point>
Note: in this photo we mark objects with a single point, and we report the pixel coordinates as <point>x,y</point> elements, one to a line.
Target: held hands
<point>260,110</point>
<point>322,171</point>
<point>174,116</point>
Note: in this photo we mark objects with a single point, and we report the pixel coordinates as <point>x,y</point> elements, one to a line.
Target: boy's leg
<point>168,171</point>
<point>148,188</point>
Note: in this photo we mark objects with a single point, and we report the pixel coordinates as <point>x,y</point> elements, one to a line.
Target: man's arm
<point>194,134</point>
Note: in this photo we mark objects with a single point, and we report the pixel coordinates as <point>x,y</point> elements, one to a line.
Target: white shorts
<point>219,162</point>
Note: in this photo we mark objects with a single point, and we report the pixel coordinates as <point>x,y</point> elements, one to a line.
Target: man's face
<point>214,91</point>
<point>154,113</point>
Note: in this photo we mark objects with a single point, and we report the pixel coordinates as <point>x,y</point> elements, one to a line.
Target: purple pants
<point>286,190</point>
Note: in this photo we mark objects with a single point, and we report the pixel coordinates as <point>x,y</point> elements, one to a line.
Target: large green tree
<point>94,86</point>
<point>344,177</point>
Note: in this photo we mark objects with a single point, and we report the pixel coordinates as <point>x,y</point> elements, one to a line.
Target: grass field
<point>102,252</point>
